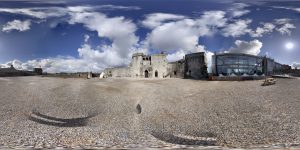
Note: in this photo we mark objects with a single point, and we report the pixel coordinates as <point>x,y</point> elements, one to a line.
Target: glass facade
<point>239,64</point>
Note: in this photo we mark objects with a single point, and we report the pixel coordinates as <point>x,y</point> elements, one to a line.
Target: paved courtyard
<point>51,112</point>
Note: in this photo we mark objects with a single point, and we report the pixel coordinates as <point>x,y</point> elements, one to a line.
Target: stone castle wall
<point>195,66</point>
<point>157,66</point>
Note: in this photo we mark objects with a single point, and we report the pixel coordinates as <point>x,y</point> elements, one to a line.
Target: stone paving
<point>61,113</point>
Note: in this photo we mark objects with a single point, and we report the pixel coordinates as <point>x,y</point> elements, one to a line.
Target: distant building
<point>38,71</point>
<point>236,64</point>
<point>11,71</point>
<point>282,68</point>
<point>226,64</point>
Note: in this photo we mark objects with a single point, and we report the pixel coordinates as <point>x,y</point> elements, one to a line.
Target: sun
<point>289,45</point>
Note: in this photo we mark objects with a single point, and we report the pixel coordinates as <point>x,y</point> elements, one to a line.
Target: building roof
<point>137,54</point>
<point>194,54</point>
<point>237,54</point>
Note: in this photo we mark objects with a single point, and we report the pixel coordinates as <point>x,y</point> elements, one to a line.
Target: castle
<point>156,66</point>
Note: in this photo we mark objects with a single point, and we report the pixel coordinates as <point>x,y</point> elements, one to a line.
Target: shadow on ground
<point>170,138</point>
<point>59,122</point>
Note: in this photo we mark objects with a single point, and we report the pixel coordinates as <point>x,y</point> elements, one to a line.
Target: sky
<point>91,35</point>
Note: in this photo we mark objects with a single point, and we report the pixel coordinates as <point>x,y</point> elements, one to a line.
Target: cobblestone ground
<point>38,112</point>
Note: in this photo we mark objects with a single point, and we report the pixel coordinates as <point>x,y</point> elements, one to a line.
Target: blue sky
<point>90,35</point>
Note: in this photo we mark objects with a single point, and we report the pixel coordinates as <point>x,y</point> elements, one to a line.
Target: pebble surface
<point>37,112</point>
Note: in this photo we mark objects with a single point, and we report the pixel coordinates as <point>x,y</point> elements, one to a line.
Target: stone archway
<point>146,74</point>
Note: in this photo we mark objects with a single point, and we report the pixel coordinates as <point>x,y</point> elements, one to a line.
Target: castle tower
<point>136,64</point>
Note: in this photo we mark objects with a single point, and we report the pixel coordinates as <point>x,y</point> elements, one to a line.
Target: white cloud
<point>157,19</point>
<point>86,38</point>
<point>120,31</point>
<point>42,1</point>
<point>212,20</point>
<point>238,13</point>
<point>176,56</point>
<point>237,28</point>
<point>282,21</point>
<point>16,25</point>
<point>181,36</point>
<point>100,7</point>
<point>238,10</point>
<point>114,7</point>
<point>37,12</point>
<point>251,47</point>
<point>297,9</point>
<point>285,29</point>
<point>295,65</point>
<point>47,12</point>
<point>16,63</point>
<point>123,38</point>
<point>79,9</point>
<point>260,31</point>
<point>89,59</point>
<point>288,8</point>
<point>282,25</point>
<point>241,27</point>
<point>285,26</point>
<point>208,57</point>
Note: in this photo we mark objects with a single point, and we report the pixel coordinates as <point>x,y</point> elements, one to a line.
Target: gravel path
<point>53,112</point>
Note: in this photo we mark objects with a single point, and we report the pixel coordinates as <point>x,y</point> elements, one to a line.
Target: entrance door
<point>146,74</point>
<point>156,74</point>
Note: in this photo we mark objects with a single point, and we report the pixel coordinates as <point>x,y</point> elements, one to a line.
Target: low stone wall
<point>19,73</point>
<point>68,75</point>
<point>117,72</point>
<point>235,78</point>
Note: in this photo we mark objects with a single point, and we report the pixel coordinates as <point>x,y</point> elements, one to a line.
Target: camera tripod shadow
<point>37,117</point>
<point>159,133</point>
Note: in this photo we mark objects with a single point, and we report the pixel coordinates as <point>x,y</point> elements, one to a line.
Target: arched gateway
<point>146,74</point>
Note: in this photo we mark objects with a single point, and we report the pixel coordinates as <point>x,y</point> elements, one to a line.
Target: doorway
<point>146,74</point>
<point>156,74</point>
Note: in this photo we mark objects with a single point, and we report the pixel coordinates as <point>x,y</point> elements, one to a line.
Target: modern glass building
<point>240,64</point>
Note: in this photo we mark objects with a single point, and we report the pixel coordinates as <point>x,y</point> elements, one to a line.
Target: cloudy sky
<point>90,35</point>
